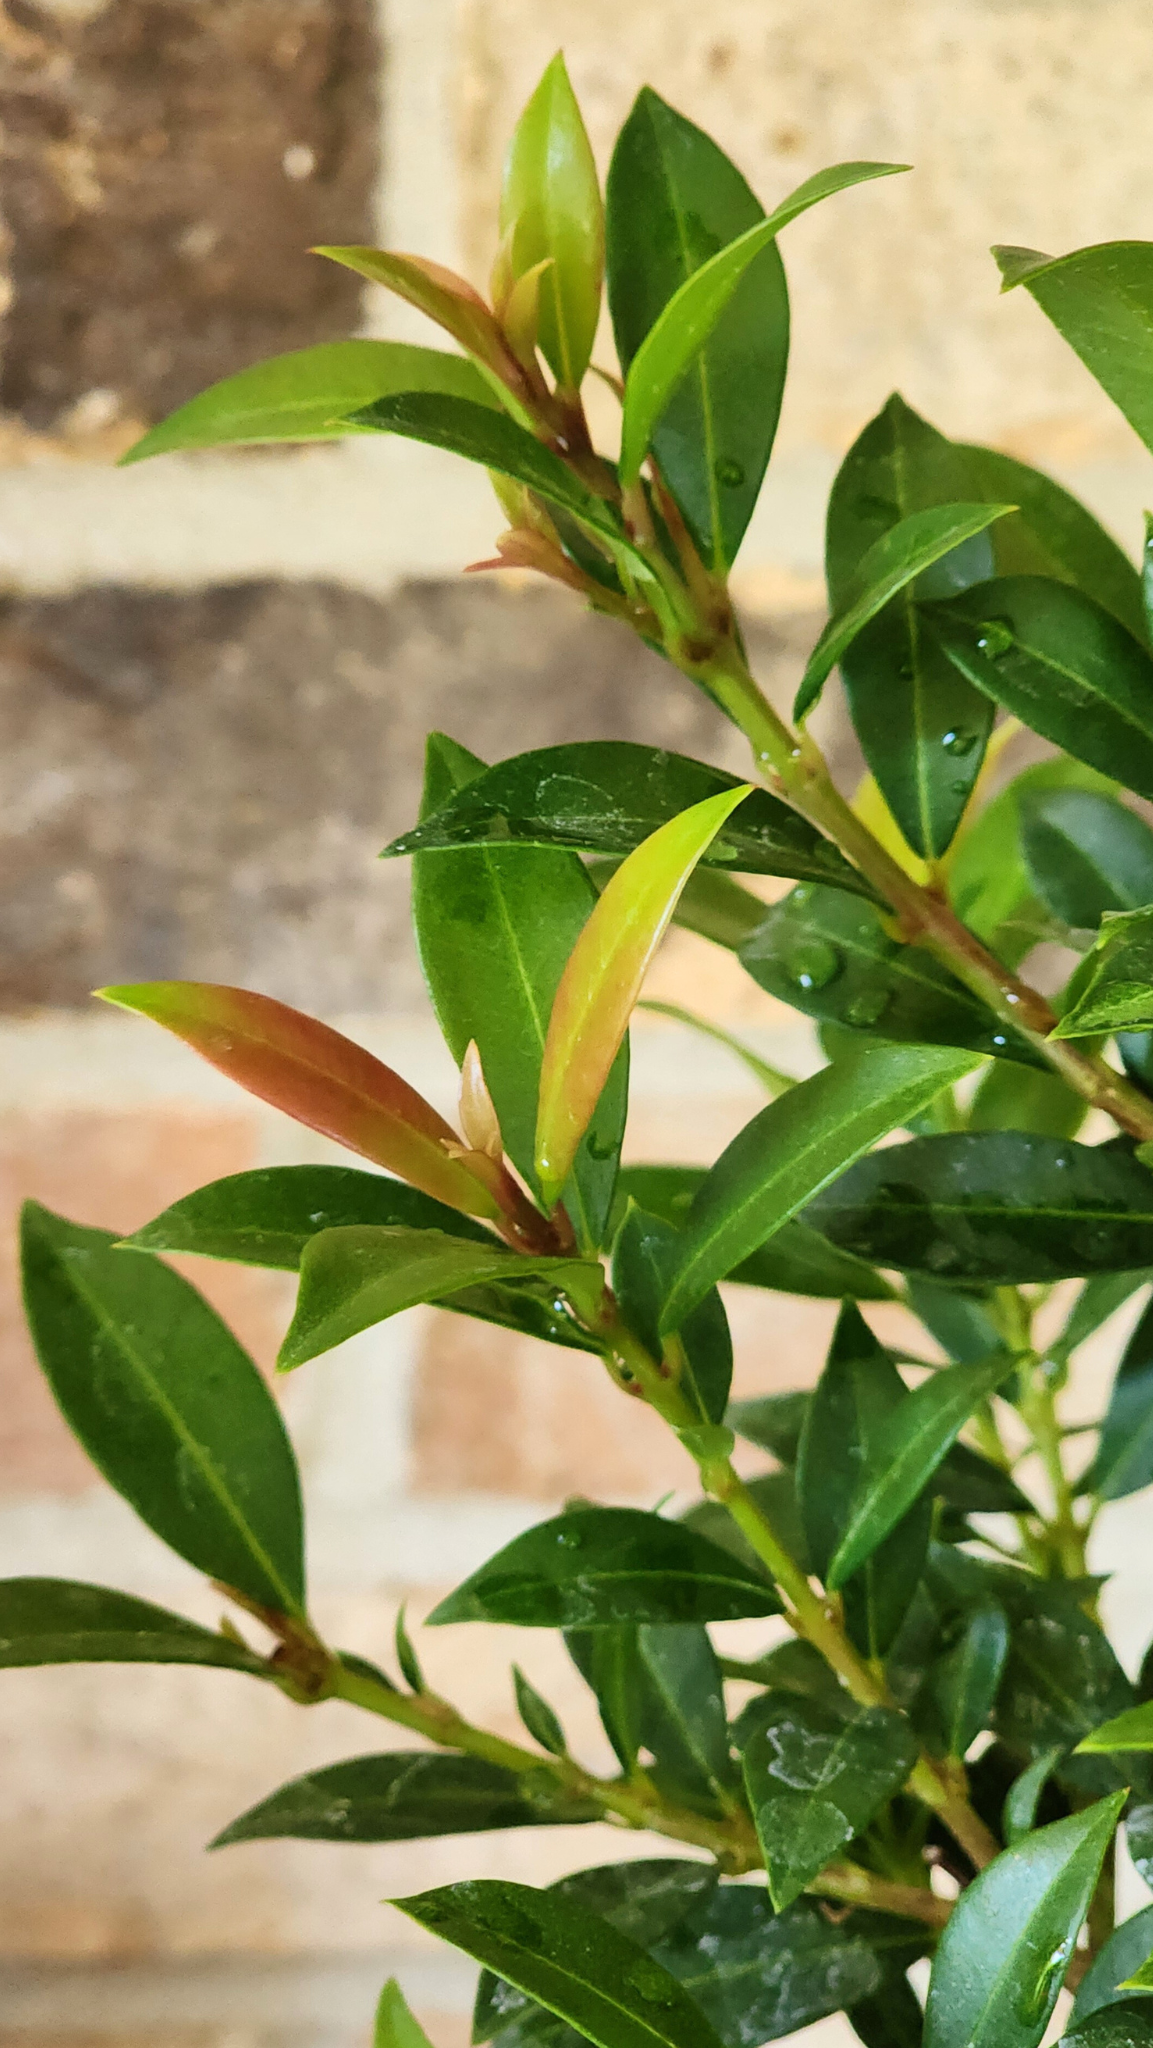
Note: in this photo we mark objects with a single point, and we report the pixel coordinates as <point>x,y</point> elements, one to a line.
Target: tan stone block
<point>115,1171</point>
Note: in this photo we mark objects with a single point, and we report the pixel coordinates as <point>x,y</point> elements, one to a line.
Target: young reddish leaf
<point>446,298</point>
<point>603,978</point>
<point>551,212</point>
<point>316,1076</point>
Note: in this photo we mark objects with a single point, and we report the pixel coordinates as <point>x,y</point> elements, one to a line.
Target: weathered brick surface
<point>198,785</point>
<point>167,165</point>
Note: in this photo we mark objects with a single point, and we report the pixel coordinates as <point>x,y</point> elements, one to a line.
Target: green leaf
<point>1101,300</point>
<point>796,1260</point>
<point>1124,1460</point>
<point>1112,989</point>
<point>360,1275</point>
<point>961,1323</point>
<point>404,1797</point>
<point>602,980</point>
<point>308,395</point>
<point>570,1960</point>
<point>989,883</point>
<point>967,1680</point>
<point>675,200</point>
<point>395,2026</point>
<point>494,929</point>
<point>815,1778</point>
<point>606,796</point>
<point>550,212</point>
<point>909,1445</point>
<point>1128,1731</point>
<point>1005,1950</point>
<point>645,1249</point>
<point>538,1717</point>
<point>266,1217</point>
<point>1062,664</point>
<point>1128,2024</point>
<point>774,1421</point>
<point>1024,1796</point>
<point>1086,854</point>
<point>1008,1100</point>
<point>168,1406</point>
<point>717,908</point>
<point>775,1494</point>
<point>685,324</point>
<point>406,1656</point>
<point>827,954</point>
<point>57,1621</point>
<point>997,1207</point>
<point>608,1661</point>
<point>894,561</point>
<point>892,2018</point>
<point>1123,1953</point>
<point>690,1740</point>
<point>795,1147</point>
<point>1098,1300</point>
<point>446,298</point>
<point>594,1567</point>
<point>481,435</point>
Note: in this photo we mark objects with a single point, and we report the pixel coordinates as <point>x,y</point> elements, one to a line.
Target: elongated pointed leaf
<point>361,1275</point>
<point>901,554</point>
<point>315,1075</point>
<point>794,1148</point>
<point>1019,1816</point>
<point>1101,300</point>
<point>600,985</point>
<point>402,1797</point>
<point>1128,1731</point>
<point>691,315</point>
<point>538,1717</point>
<point>829,955</point>
<point>966,1682</point>
<point>167,1405</point>
<point>1103,1985</point>
<point>644,1253</point>
<point>1008,1100</point>
<point>910,1445</point>
<point>1053,534</point>
<point>446,298</point>
<point>892,2017</point>
<point>571,1961</point>
<point>1086,854</point>
<point>57,1621</point>
<point>998,1207</point>
<point>1124,1460</point>
<point>267,1216</point>
<point>395,2025</point>
<point>1112,989</point>
<point>675,200</point>
<point>1127,2024</point>
<point>596,1567</point>
<point>795,1260</point>
<point>1004,1953</point>
<point>1060,663</point>
<point>606,796</point>
<point>688,1734</point>
<point>989,882</point>
<point>550,211</point>
<point>308,395</point>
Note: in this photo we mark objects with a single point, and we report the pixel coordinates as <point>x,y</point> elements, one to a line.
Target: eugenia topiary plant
<point>938,1761</point>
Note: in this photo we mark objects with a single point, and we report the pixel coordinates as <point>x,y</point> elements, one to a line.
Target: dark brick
<point>197,785</point>
<point>158,235</point>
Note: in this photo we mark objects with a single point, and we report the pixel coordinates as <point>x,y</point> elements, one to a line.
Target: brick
<point>116,1172</point>
<point>168,165</point>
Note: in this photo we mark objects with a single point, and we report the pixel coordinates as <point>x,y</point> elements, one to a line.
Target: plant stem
<point>854,1886</point>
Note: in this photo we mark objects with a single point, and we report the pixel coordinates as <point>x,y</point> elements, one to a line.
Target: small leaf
<point>168,1407</point>
<point>308,395</point>
<point>1124,1460</point>
<point>1008,1100</point>
<point>644,1251</point>
<point>686,323</point>
<point>815,1778</point>
<point>1005,1950</point>
<point>795,1147</point>
<point>1103,1986</point>
<point>315,1075</point>
<point>405,1797</point>
<point>538,1717</point>
<point>395,2025</point>
<point>594,1567</point>
<point>1086,854</point>
<point>446,298</point>
<point>966,1682</point>
<point>888,566</point>
<point>406,1656</point>
<point>354,1277</point>
<point>571,1961</point>
<point>1024,1796</point>
<point>1098,1300</point>
<point>758,1975</point>
<point>989,884</point>
<point>1112,989</point>
<point>550,211</point>
<point>56,1621</point>
<point>602,981</point>
<point>1101,300</point>
<point>266,1217</point>
<point>1128,1731</point>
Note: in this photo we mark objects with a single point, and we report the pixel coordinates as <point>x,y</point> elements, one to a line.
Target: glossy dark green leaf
<point>905,1452</point>
<point>793,1666</point>
<point>360,1275</point>
<point>901,554</point>
<point>594,1567</point>
<point>1005,1950</point>
<point>975,1486</point>
<point>538,1717</point>
<point>406,1656</point>
<point>395,2025</point>
<point>1008,1100</point>
<point>815,1778</point>
<point>774,1421</point>
<point>796,1260</point>
<point>1086,854</point>
<point>1019,1816</point>
<point>1129,1731</point>
<point>691,1746</point>
<point>608,1662</point>
<point>775,1494</point>
<point>1139,1838</point>
<point>1126,1949</point>
<point>989,883</point>
<point>967,1680</point>
<point>58,1621</point>
<point>1101,300</point>
<point>606,796</point>
<point>494,929</point>
<point>891,2018</point>
<point>643,1254</point>
<point>1124,1460</point>
<point>829,955</point>
<point>266,1217</point>
<point>858,1391</point>
<point>717,908</point>
<point>571,1961</point>
<point>961,1322</point>
<point>999,1207</point>
<point>674,200</point>
<point>795,1147</point>
<point>1128,2024</point>
<point>401,1798</point>
<point>308,395</point>
<point>1062,664</point>
<point>1112,989</point>
<point>167,1405</point>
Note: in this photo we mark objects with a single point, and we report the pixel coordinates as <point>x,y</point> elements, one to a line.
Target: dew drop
<point>568,1539</point>
<point>729,472</point>
<point>995,638</point>
<point>999,1038</point>
<point>868,1006</point>
<point>812,963</point>
<point>959,743</point>
<point>958,788</point>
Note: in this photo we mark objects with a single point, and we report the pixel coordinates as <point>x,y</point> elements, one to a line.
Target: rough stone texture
<point>198,785</point>
<point>167,165</point>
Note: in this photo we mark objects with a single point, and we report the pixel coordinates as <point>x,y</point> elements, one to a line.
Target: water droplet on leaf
<point>729,472</point>
<point>959,742</point>
<point>995,638</point>
<point>812,963</point>
<point>868,1006</point>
